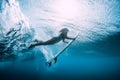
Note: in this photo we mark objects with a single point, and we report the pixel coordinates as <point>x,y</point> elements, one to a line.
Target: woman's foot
<point>31,46</point>
<point>36,43</point>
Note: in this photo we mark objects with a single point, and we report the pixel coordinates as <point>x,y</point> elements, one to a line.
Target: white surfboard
<point>61,51</point>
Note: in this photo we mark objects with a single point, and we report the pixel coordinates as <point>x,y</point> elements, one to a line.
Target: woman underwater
<point>61,37</point>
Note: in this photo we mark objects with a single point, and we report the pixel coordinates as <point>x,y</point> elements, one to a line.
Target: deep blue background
<point>104,63</point>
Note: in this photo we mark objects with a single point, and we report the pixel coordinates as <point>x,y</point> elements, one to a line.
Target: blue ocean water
<point>87,61</point>
<point>95,54</point>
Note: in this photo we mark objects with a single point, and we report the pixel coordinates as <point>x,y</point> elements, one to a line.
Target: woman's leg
<point>49,42</point>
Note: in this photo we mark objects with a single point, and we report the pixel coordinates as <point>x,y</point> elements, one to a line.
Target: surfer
<point>61,37</point>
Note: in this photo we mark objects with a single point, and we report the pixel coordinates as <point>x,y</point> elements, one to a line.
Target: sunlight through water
<point>66,8</point>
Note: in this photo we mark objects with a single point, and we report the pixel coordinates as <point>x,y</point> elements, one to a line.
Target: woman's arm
<point>70,38</point>
<point>64,41</point>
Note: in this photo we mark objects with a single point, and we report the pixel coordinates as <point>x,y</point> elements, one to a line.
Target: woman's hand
<point>64,41</point>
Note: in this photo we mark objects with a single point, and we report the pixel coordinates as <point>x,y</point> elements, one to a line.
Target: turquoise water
<point>86,61</point>
<point>95,54</point>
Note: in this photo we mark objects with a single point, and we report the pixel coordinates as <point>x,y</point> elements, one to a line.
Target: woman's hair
<point>64,30</point>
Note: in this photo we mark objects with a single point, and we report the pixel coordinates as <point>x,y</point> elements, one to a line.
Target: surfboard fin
<point>55,59</point>
<point>49,63</point>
